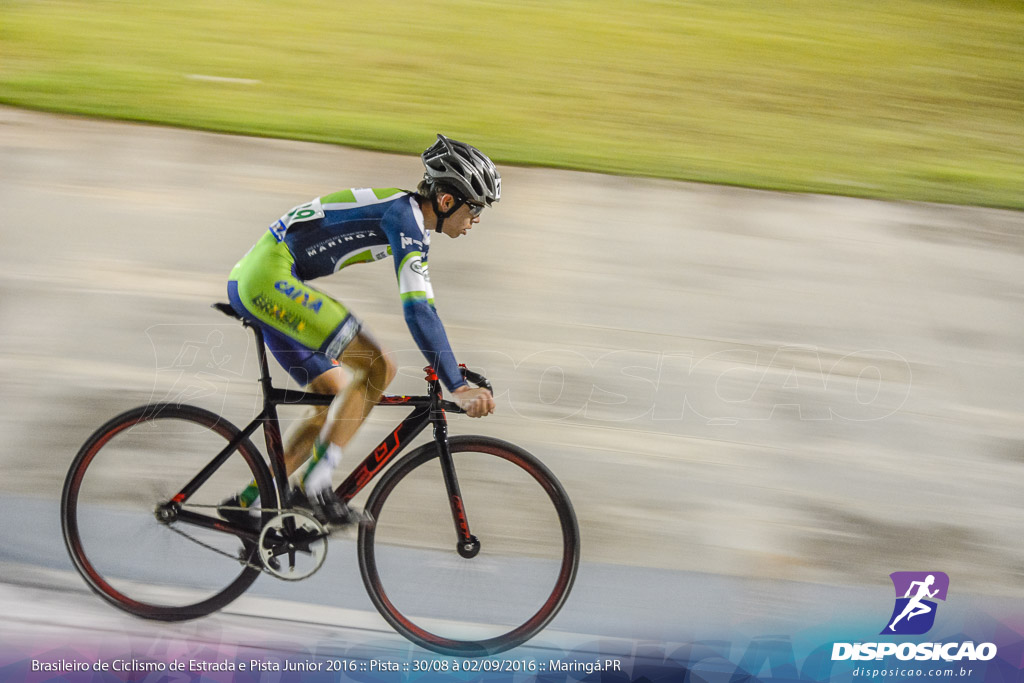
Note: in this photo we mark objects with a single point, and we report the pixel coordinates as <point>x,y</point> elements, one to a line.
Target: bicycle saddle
<point>226,310</point>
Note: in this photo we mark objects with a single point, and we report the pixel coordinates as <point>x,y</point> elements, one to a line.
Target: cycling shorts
<point>305,329</point>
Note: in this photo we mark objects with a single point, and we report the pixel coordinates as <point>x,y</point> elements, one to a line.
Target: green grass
<point>917,99</point>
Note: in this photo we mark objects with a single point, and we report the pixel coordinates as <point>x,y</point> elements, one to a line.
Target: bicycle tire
<point>477,460</point>
<point>93,509</point>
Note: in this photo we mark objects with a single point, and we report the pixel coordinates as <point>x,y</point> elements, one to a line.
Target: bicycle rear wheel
<point>481,605</point>
<point>129,467</point>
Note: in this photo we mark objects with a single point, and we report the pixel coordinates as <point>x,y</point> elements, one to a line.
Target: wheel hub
<point>469,549</point>
<point>166,512</point>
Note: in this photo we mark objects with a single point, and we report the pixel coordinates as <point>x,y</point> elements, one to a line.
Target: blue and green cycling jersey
<point>330,233</point>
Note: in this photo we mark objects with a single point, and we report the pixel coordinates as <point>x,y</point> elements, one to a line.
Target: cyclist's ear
<point>445,201</point>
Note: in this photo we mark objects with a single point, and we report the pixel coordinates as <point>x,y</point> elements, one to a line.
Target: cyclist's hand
<point>476,402</point>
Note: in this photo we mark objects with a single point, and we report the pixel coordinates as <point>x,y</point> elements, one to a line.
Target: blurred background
<point>813,385</point>
<point>919,100</point>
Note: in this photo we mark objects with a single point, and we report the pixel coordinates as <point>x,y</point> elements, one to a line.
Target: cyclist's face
<point>460,222</point>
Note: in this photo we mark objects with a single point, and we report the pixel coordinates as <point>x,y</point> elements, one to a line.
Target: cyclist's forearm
<point>429,334</point>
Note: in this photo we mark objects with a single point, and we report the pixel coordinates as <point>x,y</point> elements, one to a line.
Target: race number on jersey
<point>304,212</point>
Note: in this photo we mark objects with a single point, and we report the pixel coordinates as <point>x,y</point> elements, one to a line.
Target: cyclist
<point>313,335</point>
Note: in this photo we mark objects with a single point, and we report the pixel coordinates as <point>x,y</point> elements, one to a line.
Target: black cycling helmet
<point>464,168</point>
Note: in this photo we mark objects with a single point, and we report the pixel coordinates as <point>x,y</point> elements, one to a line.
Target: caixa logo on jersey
<point>913,614</point>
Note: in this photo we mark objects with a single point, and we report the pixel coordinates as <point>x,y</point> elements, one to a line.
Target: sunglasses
<point>475,209</point>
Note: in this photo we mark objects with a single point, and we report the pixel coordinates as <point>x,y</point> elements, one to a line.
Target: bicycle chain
<point>244,563</point>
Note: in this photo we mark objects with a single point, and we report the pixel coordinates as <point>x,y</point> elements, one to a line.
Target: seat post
<point>261,348</point>
<point>261,353</point>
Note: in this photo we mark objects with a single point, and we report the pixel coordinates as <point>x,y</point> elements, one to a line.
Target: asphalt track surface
<point>761,404</point>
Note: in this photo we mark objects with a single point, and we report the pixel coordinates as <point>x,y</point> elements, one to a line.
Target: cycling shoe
<point>232,511</point>
<point>327,507</point>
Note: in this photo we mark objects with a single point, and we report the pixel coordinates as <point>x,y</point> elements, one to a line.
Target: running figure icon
<point>916,593</point>
<point>915,607</point>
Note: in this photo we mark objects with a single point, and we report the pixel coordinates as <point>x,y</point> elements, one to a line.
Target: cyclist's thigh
<point>332,381</point>
<point>306,366</point>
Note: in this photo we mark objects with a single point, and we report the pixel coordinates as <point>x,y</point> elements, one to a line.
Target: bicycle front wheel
<point>490,602</point>
<point>128,469</point>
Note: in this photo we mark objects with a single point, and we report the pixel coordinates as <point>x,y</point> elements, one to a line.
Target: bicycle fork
<point>467,545</point>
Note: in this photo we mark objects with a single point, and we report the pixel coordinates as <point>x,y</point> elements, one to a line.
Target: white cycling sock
<point>318,477</point>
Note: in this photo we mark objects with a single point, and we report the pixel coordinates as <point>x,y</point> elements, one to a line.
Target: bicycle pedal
<point>361,518</point>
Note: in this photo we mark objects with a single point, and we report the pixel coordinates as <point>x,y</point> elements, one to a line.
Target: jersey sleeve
<point>410,244</point>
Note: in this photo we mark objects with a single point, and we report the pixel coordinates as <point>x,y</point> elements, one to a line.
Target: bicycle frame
<point>427,410</point>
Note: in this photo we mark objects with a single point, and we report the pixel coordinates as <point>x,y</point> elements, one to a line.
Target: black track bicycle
<point>471,549</point>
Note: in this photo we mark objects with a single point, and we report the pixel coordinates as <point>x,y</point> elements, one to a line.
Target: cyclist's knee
<point>374,370</point>
<point>333,381</point>
<point>369,363</point>
<point>381,372</point>
<point>315,415</point>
